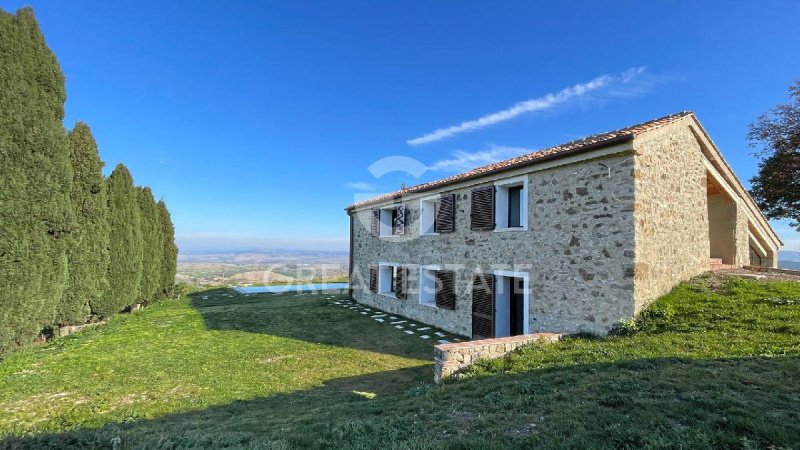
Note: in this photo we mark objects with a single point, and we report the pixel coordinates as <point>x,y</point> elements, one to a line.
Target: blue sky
<point>258,121</point>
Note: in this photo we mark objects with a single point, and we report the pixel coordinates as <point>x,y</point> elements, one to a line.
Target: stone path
<point>409,328</point>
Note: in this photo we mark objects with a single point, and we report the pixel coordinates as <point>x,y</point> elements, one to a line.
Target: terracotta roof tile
<point>588,143</point>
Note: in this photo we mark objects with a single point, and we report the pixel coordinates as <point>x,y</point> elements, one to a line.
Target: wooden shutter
<point>373,278</point>
<point>446,214</point>
<point>482,306</point>
<point>376,222</point>
<point>445,289</point>
<point>401,283</point>
<point>399,226</point>
<point>482,213</point>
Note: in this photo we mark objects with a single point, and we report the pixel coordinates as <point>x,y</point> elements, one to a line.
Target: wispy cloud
<point>361,186</point>
<point>622,84</point>
<point>461,160</point>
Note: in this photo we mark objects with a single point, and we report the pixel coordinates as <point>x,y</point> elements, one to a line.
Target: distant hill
<point>789,259</point>
<point>789,255</point>
<point>278,256</point>
<point>794,265</point>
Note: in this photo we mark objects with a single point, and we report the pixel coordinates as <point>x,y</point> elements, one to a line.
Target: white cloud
<point>617,85</point>
<point>361,186</point>
<point>461,160</point>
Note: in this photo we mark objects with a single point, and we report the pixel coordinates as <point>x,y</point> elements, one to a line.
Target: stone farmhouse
<point>571,238</point>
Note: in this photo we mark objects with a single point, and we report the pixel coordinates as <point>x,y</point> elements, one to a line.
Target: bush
<point>34,181</point>
<point>71,243</point>
<point>152,246</point>
<point>125,244</point>
<point>88,250</point>
<point>625,327</point>
<point>169,257</point>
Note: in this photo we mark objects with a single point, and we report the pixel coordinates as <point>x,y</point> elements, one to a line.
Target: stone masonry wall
<point>742,236</point>
<point>671,213</point>
<point>450,358</point>
<point>578,251</point>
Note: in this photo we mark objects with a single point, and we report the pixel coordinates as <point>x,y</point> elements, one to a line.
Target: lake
<point>291,288</point>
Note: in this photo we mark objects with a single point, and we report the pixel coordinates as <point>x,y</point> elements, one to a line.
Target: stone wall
<point>450,358</point>
<point>672,231</point>
<point>722,227</point>
<point>742,236</point>
<point>578,250</point>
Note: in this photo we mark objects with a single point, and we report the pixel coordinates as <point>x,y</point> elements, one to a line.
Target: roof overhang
<point>732,184</point>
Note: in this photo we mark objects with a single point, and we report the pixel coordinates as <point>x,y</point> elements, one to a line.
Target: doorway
<point>511,304</point>
<point>721,222</point>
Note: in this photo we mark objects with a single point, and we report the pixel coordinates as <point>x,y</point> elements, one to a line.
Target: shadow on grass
<point>306,317</point>
<point>647,403</point>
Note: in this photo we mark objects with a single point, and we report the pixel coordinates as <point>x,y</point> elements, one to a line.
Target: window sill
<point>503,230</point>
<point>429,305</point>
<point>388,294</point>
<point>391,236</point>
<point>429,234</point>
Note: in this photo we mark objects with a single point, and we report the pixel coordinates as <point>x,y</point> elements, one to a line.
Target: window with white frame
<point>387,274</point>
<point>392,220</point>
<point>437,287</point>
<point>437,214</point>
<point>511,204</point>
<point>427,215</point>
<point>427,285</point>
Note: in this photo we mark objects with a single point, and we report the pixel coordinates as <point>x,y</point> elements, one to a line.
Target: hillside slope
<point>715,363</point>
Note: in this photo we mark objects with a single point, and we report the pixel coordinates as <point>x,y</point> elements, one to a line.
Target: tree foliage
<point>152,246</point>
<point>169,258</point>
<point>776,134</point>
<point>34,181</point>
<point>88,250</point>
<point>125,243</point>
<point>71,242</point>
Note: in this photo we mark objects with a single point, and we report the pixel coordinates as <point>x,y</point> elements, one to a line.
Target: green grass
<point>716,363</point>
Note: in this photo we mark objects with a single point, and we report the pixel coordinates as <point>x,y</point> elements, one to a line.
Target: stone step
<point>716,260</point>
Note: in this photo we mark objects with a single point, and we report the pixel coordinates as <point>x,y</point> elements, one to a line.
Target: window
<point>511,204</point>
<point>514,207</point>
<point>427,285</point>
<point>386,279</point>
<point>395,225</point>
<point>437,287</point>
<point>437,214</point>
<point>392,280</point>
<point>389,221</point>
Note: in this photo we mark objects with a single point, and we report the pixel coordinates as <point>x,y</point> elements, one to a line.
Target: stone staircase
<point>716,264</point>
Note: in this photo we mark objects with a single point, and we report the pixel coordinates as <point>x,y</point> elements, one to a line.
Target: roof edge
<point>443,183</point>
<point>747,197</point>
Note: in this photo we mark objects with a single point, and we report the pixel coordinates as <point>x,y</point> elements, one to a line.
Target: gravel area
<point>760,275</point>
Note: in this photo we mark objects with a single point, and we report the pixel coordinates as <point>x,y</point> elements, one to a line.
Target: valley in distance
<point>261,267</point>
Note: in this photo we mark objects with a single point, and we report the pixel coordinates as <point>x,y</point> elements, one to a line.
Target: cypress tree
<point>125,244</point>
<point>34,181</point>
<point>169,259</point>
<point>152,247</point>
<point>88,252</point>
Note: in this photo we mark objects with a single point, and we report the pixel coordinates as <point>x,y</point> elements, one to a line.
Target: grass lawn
<point>716,363</point>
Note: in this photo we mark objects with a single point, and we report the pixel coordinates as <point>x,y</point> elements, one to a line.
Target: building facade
<point>572,238</point>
